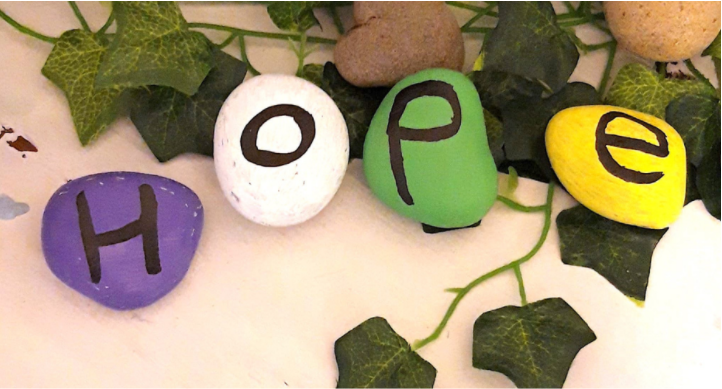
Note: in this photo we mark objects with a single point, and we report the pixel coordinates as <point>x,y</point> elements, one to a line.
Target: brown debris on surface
<point>21,144</point>
<point>5,131</point>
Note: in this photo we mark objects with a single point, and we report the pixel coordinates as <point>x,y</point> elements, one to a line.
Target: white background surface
<point>262,306</point>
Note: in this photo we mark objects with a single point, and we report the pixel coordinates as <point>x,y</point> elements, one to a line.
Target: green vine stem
<point>336,20</point>
<point>462,292</point>
<point>79,15</point>
<point>25,30</point>
<point>697,73</point>
<point>661,68</point>
<point>228,41</point>
<point>486,11</point>
<point>301,53</point>
<point>480,30</point>
<point>244,56</point>
<point>260,34</point>
<point>519,207</point>
<point>108,23</point>
<point>598,24</point>
<point>470,7</point>
<point>520,281</point>
<point>587,48</point>
<point>612,51</point>
<point>576,22</point>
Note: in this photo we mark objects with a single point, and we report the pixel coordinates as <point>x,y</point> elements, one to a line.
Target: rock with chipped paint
<point>123,239</point>
<point>281,149</point>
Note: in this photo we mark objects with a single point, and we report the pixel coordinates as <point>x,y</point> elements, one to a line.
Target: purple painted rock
<point>123,239</point>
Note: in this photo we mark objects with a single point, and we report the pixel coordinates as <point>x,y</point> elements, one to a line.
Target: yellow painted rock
<point>625,165</point>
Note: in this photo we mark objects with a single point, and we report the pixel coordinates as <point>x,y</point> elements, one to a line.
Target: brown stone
<point>392,40</point>
<point>664,31</point>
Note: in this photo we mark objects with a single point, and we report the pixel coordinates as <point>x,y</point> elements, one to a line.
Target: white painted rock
<point>280,148</point>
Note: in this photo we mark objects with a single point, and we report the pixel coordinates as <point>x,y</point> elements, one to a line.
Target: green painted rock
<point>426,154</point>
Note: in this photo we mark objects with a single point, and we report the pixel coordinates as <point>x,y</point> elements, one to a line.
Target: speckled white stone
<point>292,193</point>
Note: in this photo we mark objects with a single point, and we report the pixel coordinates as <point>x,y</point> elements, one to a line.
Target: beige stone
<point>391,40</point>
<point>664,30</point>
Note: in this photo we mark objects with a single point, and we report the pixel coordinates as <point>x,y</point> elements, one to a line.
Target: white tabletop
<point>263,306</point>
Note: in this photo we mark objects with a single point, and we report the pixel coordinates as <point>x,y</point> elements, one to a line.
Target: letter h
<point>146,225</point>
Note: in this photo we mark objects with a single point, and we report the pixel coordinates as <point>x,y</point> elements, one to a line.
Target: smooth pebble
<point>426,154</point>
<point>281,149</point>
<point>664,31</point>
<point>122,239</point>
<point>625,165</point>
<point>392,40</point>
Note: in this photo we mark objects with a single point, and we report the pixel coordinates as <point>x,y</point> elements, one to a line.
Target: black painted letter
<point>397,133</point>
<point>604,140</point>
<point>249,136</point>
<point>146,225</point>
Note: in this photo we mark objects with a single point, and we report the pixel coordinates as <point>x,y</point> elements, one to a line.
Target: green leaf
<point>639,88</point>
<point>496,88</point>
<point>173,123</point>
<point>714,48</point>
<point>495,136</point>
<point>372,355</point>
<point>153,46</point>
<point>528,42</point>
<point>714,51</point>
<point>525,121</point>
<point>691,193</point>
<point>619,252</point>
<point>314,73</point>
<point>697,119</point>
<point>72,66</point>
<point>358,105</point>
<point>296,16</point>
<point>533,345</point>
<point>708,180</point>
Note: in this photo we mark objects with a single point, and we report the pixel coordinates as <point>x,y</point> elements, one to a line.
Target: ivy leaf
<point>153,46</point>
<point>639,88</point>
<point>495,136</point>
<point>528,42</point>
<point>313,73</point>
<point>296,16</point>
<point>619,252</point>
<point>714,48</point>
<point>72,66</point>
<point>534,345</point>
<point>358,105</point>
<point>496,88</point>
<point>714,51</point>
<point>173,123</point>
<point>525,121</point>
<point>697,119</point>
<point>373,355</point>
<point>691,193</point>
<point>708,180</point>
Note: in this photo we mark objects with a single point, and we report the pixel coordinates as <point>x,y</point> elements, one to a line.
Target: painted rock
<point>123,239</point>
<point>426,154</point>
<point>664,31</point>
<point>392,40</point>
<point>281,149</point>
<point>625,165</point>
